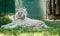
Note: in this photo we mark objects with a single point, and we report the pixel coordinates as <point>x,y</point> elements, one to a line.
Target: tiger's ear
<point>24,8</point>
<point>20,9</point>
<point>16,10</point>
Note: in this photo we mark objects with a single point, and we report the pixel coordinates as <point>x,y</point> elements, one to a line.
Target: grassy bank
<point>26,31</point>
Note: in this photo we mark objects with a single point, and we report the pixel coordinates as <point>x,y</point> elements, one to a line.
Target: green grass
<point>54,24</point>
<point>27,31</point>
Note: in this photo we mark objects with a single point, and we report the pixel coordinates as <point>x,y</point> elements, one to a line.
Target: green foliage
<point>4,21</point>
<point>4,18</point>
<point>20,30</point>
<point>7,6</point>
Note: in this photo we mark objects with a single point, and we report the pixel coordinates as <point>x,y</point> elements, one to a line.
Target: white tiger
<point>21,19</point>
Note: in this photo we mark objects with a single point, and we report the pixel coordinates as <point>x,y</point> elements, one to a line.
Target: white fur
<point>21,19</point>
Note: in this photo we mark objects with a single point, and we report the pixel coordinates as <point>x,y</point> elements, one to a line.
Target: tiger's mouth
<point>22,17</point>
